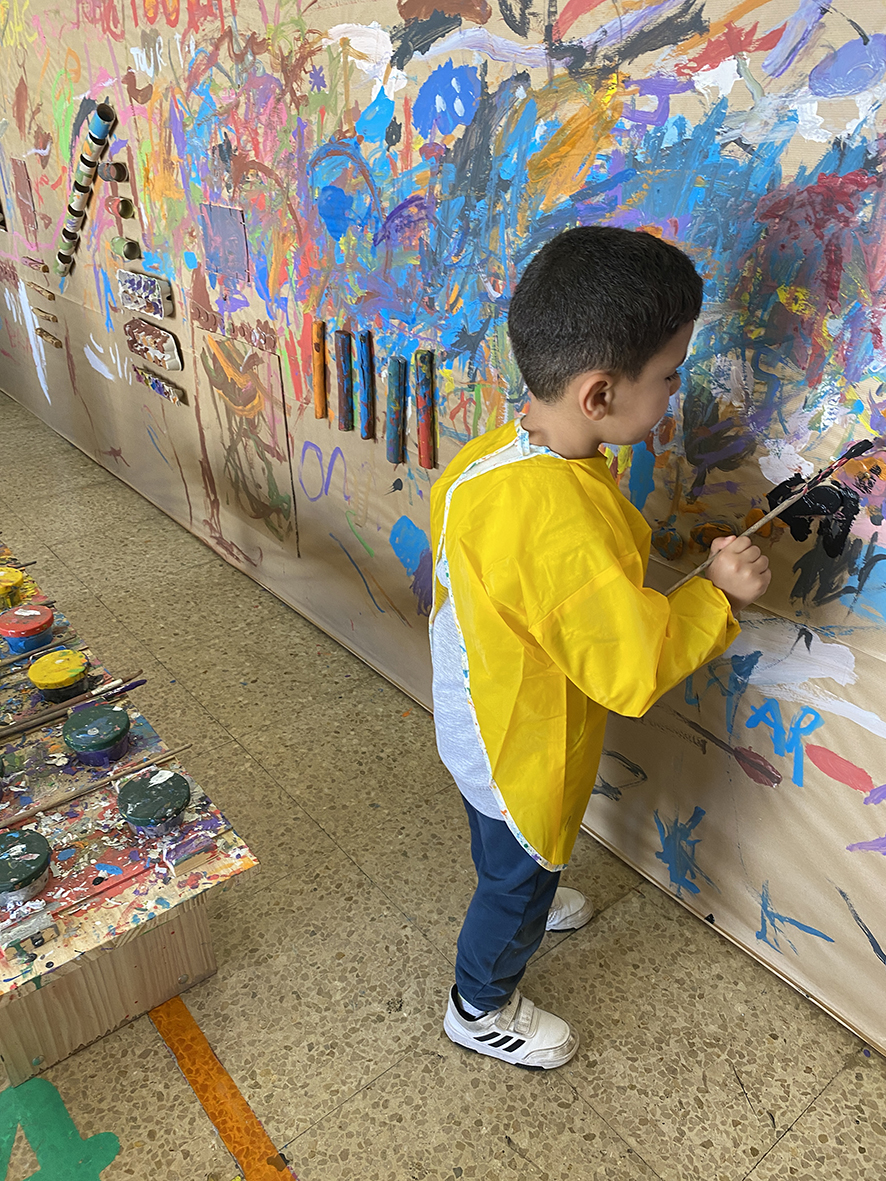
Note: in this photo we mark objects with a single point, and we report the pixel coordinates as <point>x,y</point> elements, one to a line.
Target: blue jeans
<point>506,917</point>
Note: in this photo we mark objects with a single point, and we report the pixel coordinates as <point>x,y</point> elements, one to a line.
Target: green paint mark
<point>366,546</point>
<point>61,1152</point>
<point>478,407</point>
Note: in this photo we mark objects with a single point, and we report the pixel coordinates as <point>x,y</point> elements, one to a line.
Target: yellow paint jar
<point>11,582</point>
<point>59,675</point>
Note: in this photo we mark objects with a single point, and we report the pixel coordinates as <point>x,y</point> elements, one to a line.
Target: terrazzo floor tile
<point>129,1084</point>
<point>280,833</point>
<point>322,986</point>
<point>421,858</point>
<point>691,1051</point>
<point>55,577</point>
<point>841,1136</point>
<point>436,1116</point>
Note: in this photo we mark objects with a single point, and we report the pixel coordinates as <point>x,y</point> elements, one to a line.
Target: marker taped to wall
<point>344,368</point>
<point>396,418</point>
<point>424,408</point>
<point>366,368</point>
<point>318,352</point>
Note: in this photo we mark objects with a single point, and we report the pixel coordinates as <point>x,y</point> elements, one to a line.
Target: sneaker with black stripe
<point>518,1033</point>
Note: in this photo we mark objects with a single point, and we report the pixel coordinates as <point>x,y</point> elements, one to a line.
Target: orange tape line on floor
<point>237,1124</point>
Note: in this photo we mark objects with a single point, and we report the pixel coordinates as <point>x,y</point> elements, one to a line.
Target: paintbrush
<point>853,453</point>
<point>34,653</point>
<point>48,717</point>
<point>59,800</point>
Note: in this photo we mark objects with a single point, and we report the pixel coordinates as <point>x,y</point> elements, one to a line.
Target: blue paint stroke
<point>790,743</point>
<point>678,851</point>
<point>641,483</point>
<point>373,123</point>
<point>858,65</point>
<point>359,571</point>
<point>112,870</point>
<point>334,206</point>
<point>413,550</point>
<point>450,96</point>
<point>875,946</point>
<point>772,924</point>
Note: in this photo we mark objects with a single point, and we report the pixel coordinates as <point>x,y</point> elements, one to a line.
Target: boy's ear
<point>595,394</point>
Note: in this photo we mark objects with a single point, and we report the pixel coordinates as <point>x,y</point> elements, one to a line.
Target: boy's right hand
<point>739,569</point>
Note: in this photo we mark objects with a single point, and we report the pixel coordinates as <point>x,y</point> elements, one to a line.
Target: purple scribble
<point>405,219</point>
<point>798,29</point>
<point>876,795</point>
<point>422,585</point>
<point>876,846</point>
<point>856,66</point>
<point>318,78</point>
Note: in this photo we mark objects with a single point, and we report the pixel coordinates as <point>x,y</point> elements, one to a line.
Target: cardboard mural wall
<point>337,199</point>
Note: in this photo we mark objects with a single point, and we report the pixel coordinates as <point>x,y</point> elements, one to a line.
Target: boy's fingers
<point>720,543</point>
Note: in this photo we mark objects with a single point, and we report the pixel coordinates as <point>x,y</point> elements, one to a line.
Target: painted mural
<point>280,308</point>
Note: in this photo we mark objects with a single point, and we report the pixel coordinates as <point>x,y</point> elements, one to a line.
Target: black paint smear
<point>418,36</point>
<point>822,580</point>
<point>671,29</point>
<point>866,480</point>
<point>393,133</point>
<point>862,926</point>
<point>516,15</point>
<point>709,443</point>
<point>834,506</point>
<point>634,775</point>
<point>571,54</point>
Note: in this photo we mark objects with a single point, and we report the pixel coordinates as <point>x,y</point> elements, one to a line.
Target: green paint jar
<point>153,802</point>
<point>97,734</point>
<point>24,866</point>
<point>126,248</point>
<point>122,206</point>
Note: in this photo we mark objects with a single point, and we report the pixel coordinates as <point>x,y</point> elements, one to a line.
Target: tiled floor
<point>334,961</point>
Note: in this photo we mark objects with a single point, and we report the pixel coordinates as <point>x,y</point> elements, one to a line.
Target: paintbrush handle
<point>58,801</point>
<point>770,516</point>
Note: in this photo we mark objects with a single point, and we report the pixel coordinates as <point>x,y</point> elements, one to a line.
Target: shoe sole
<point>454,1033</point>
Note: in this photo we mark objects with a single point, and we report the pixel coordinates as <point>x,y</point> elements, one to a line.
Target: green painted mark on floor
<point>61,1152</point>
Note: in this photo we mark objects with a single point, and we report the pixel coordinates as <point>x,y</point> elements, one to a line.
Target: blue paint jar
<point>26,627</point>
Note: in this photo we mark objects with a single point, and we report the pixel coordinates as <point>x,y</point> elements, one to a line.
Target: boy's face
<point>636,406</point>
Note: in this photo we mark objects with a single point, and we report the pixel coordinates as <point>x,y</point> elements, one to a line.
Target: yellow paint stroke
<point>237,1124</point>
<point>565,161</point>
<point>796,299</point>
<point>241,381</point>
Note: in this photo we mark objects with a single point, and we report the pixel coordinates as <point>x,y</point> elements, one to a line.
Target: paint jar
<point>92,148</point>
<point>101,120</point>
<point>26,627</point>
<point>153,802</point>
<point>122,206</point>
<point>115,171</point>
<point>24,866</point>
<point>74,220</point>
<point>11,582</point>
<point>85,173</point>
<point>59,675</point>
<point>97,734</point>
<point>79,197</point>
<point>62,264</point>
<point>126,248</point>
<point>67,243</point>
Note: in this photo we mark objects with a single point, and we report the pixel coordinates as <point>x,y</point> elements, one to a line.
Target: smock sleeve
<point>625,645</point>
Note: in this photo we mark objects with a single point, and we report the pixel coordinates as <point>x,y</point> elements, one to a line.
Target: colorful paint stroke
<point>160,385</point>
<point>24,198</point>
<point>224,243</point>
<point>144,293</point>
<point>153,344</point>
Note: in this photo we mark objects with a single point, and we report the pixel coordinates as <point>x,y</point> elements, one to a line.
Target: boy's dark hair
<point>599,297</point>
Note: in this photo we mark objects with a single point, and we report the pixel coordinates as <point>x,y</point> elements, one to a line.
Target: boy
<point>541,623</point>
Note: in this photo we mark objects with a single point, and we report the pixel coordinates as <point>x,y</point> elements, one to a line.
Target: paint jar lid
<point>24,855</point>
<point>57,670</point>
<point>153,796</point>
<point>24,621</point>
<point>96,727</point>
<point>10,578</point>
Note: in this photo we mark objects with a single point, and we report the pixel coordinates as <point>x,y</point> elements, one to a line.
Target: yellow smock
<point>546,561</point>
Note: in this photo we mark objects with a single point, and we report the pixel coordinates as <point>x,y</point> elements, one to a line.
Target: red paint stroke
<point>730,44</point>
<point>839,768</point>
<point>570,14</point>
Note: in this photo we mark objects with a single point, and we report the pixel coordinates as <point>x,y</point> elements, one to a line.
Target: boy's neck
<point>557,427</point>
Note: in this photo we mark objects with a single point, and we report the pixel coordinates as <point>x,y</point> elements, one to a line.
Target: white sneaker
<point>518,1033</point>
<point>569,911</point>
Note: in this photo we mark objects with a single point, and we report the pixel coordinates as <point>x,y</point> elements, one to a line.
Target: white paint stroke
<point>97,363</point>
<point>785,659</point>
<point>497,49</point>
<point>821,700</point>
<point>33,339</point>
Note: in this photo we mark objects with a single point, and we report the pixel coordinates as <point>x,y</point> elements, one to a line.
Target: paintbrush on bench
<point>825,474</point>
<point>48,717</point>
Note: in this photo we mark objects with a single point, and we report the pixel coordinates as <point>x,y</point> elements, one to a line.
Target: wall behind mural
<point>256,260</point>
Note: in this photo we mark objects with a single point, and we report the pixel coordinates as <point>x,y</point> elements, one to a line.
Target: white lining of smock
<point>476,751</point>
